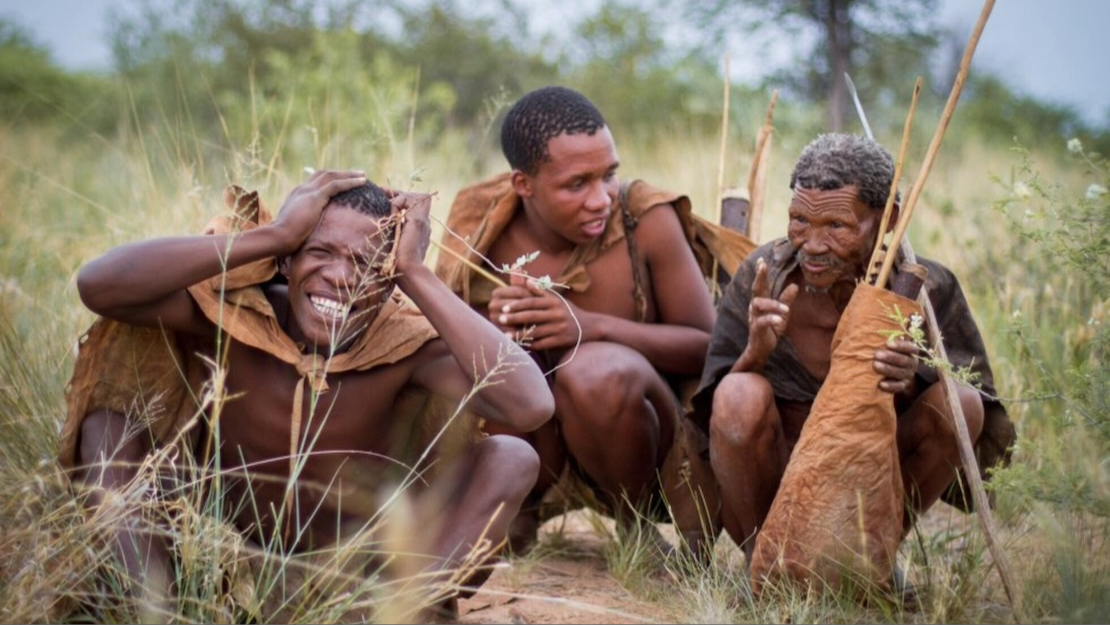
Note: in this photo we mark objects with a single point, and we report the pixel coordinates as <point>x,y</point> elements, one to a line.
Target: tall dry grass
<point>1043,318</point>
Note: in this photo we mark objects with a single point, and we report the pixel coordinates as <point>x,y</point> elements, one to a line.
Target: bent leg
<point>928,446</point>
<point>616,414</point>
<point>475,499</point>
<point>748,452</point>
<point>108,457</point>
<point>548,444</point>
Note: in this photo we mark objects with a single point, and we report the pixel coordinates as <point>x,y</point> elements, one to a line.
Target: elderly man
<point>771,348</point>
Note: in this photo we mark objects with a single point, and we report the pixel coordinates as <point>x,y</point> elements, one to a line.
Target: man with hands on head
<point>317,366</point>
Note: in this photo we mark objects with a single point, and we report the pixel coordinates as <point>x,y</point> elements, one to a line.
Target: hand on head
<point>306,202</point>
<point>411,215</point>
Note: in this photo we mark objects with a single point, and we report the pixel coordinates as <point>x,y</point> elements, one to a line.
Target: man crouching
<point>316,365</point>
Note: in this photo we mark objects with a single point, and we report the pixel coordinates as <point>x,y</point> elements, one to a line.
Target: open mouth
<point>595,227</point>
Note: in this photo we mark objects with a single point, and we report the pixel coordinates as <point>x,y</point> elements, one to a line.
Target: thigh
<point>609,394</point>
<point>602,375</point>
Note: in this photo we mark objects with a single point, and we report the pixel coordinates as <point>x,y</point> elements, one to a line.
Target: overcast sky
<point>1045,48</point>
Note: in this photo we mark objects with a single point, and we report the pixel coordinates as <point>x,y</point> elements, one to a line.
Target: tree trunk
<point>838,32</point>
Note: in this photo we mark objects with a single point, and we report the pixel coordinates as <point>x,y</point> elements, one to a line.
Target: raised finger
<point>760,287</point>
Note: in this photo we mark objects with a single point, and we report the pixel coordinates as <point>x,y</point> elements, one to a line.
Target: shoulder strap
<point>630,224</point>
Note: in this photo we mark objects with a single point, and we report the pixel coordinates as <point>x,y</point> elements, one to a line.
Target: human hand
<point>411,214</point>
<point>767,316</point>
<point>306,202</point>
<point>535,316</point>
<point>897,363</point>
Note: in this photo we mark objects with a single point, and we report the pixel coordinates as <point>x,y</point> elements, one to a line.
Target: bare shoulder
<point>678,286</point>
<point>659,229</point>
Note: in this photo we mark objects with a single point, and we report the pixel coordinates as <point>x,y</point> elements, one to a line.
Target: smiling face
<point>834,233</point>
<point>569,199</point>
<point>335,288</point>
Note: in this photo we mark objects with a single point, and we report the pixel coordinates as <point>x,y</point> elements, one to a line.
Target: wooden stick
<point>469,263</point>
<point>724,145</point>
<point>757,177</point>
<point>934,146</point>
<point>881,248</point>
<point>967,450</point>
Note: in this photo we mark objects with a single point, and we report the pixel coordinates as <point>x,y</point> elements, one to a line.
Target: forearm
<point>749,362</point>
<point>139,273</point>
<point>520,397</point>
<point>671,349</point>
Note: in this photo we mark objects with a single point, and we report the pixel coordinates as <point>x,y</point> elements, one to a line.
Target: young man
<point>626,321</point>
<point>771,347</point>
<point>313,369</point>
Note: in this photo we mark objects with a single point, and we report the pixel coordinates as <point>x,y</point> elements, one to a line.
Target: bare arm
<point>676,343</point>
<point>144,283</point>
<point>519,395</point>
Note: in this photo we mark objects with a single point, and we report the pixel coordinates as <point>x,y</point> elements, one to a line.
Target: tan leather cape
<point>481,212</point>
<point>156,376</point>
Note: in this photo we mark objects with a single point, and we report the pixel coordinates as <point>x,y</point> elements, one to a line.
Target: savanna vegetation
<point>203,94</point>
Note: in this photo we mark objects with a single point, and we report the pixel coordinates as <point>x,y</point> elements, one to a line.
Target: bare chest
<point>811,328</point>
<point>256,420</point>
<point>612,281</point>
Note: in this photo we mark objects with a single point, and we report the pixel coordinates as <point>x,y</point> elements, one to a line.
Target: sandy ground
<point>573,585</point>
<point>570,584</point>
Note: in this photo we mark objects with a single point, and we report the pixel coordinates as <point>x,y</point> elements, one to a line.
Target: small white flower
<point>1075,146</point>
<point>1016,314</point>
<point>1021,190</point>
<point>1095,191</point>
<point>916,320</point>
<point>544,282</point>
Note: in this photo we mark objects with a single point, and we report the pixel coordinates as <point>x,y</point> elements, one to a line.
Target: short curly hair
<point>836,160</point>
<point>540,116</point>
<point>369,199</point>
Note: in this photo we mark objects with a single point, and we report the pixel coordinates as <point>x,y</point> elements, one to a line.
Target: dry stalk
<point>881,247</point>
<point>469,263</point>
<point>724,146</point>
<point>757,177</point>
<point>966,449</point>
<point>934,145</point>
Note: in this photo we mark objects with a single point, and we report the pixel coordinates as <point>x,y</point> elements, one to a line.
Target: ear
<point>522,183</point>
<point>894,210</point>
<point>283,266</point>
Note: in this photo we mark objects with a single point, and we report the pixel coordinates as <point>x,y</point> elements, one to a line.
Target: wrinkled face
<point>834,233</point>
<point>572,195</point>
<point>335,286</point>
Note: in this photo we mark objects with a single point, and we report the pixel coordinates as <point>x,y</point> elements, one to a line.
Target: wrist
<point>749,362</point>
<point>410,277</point>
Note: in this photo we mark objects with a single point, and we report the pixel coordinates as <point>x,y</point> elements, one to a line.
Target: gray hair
<point>834,161</point>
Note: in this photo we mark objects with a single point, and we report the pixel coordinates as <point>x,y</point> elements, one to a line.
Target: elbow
<point>538,411</point>
<point>530,410</point>
<point>89,288</point>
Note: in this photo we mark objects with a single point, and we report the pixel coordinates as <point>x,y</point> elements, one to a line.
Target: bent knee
<point>610,377</point>
<point>742,406</point>
<point>971,401</point>
<point>510,461</point>
<point>932,421</point>
<point>104,436</point>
